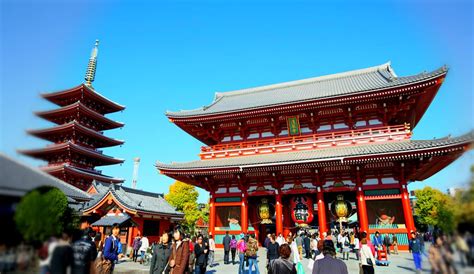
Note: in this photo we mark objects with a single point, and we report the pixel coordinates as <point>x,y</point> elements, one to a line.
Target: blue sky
<point>169,55</point>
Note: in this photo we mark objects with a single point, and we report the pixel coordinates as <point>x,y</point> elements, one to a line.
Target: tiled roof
<point>362,80</point>
<point>17,179</point>
<point>110,220</point>
<point>323,154</point>
<point>133,199</point>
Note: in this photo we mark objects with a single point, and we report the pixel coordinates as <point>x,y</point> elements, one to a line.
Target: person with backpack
<point>283,265</point>
<point>233,248</point>
<point>345,246</point>
<point>62,258</point>
<point>109,252</point>
<point>241,248</point>
<point>251,253</point>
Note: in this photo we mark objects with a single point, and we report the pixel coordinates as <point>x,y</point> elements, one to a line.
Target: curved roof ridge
<point>386,66</point>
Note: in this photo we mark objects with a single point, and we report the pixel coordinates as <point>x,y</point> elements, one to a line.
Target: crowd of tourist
<point>176,252</point>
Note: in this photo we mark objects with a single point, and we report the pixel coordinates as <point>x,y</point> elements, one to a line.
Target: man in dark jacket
<point>226,243</point>
<point>307,246</point>
<point>161,254</point>
<point>85,253</point>
<point>387,243</point>
<point>329,264</point>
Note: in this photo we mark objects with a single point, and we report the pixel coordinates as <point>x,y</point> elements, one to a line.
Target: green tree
<point>465,204</point>
<point>435,208</point>
<point>184,198</point>
<point>42,213</point>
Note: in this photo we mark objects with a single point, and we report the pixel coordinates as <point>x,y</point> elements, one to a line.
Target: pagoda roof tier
<point>73,111</point>
<point>85,94</point>
<point>329,89</point>
<point>68,170</point>
<point>388,151</point>
<point>134,201</point>
<point>57,150</point>
<point>74,130</point>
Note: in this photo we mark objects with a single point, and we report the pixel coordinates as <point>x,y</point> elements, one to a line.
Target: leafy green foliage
<point>42,213</point>
<point>465,204</point>
<point>435,208</point>
<point>184,198</point>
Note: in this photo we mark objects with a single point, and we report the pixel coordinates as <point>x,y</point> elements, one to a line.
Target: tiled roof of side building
<point>133,199</point>
<point>17,179</point>
<point>323,154</point>
<point>362,80</point>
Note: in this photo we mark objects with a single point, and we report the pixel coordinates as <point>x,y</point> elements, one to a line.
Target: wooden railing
<point>310,141</point>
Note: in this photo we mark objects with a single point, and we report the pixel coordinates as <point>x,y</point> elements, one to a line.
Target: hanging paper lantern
<point>302,210</point>
<point>341,208</point>
<point>264,212</point>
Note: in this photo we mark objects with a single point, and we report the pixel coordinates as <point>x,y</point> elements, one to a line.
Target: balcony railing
<point>306,142</point>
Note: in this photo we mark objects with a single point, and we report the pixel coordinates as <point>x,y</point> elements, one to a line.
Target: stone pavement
<point>402,263</point>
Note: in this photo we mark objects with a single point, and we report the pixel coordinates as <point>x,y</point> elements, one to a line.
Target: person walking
<point>161,255</point>
<point>178,260</point>
<point>329,264</point>
<point>299,244</point>
<point>241,248</point>
<point>307,246</point>
<point>367,259</point>
<point>200,252</point>
<point>251,253</point>
<point>233,248</point>
<point>314,246</point>
<point>62,259</point>
<point>395,244</point>
<point>435,257</point>
<point>267,240</point>
<point>212,248</point>
<point>272,250</point>
<point>345,245</point>
<point>414,246</point>
<point>357,247</point>
<point>463,249</point>
<point>143,248</point>
<point>226,243</point>
<point>387,243</point>
<point>280,239</point>
<point>85,253</point>
<point>137,243</point>
<point>283,265</point>
<point>109,252</point>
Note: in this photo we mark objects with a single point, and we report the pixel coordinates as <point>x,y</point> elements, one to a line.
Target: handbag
<point>368,260</point>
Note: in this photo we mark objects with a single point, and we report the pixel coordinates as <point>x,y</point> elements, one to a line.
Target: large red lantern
<point>302,210</point>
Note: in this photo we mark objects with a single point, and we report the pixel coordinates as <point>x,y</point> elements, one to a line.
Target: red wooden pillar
<point>321,213</point>
<point>212,215</point>
<point>278,214</point>
<point>409,222</point>
<point>244,214</point>
<point>361,206</point>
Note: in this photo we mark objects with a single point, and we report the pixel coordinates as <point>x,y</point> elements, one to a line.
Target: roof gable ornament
<point>91,67</point>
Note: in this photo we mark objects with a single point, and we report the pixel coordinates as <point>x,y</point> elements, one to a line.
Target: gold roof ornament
<point>91,67</point>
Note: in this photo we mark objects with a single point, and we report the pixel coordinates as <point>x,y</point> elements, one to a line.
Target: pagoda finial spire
<point>91,67</point>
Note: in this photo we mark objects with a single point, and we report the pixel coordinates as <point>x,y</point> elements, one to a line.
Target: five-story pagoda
<point>319,153</point>
<point>80,121</point>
